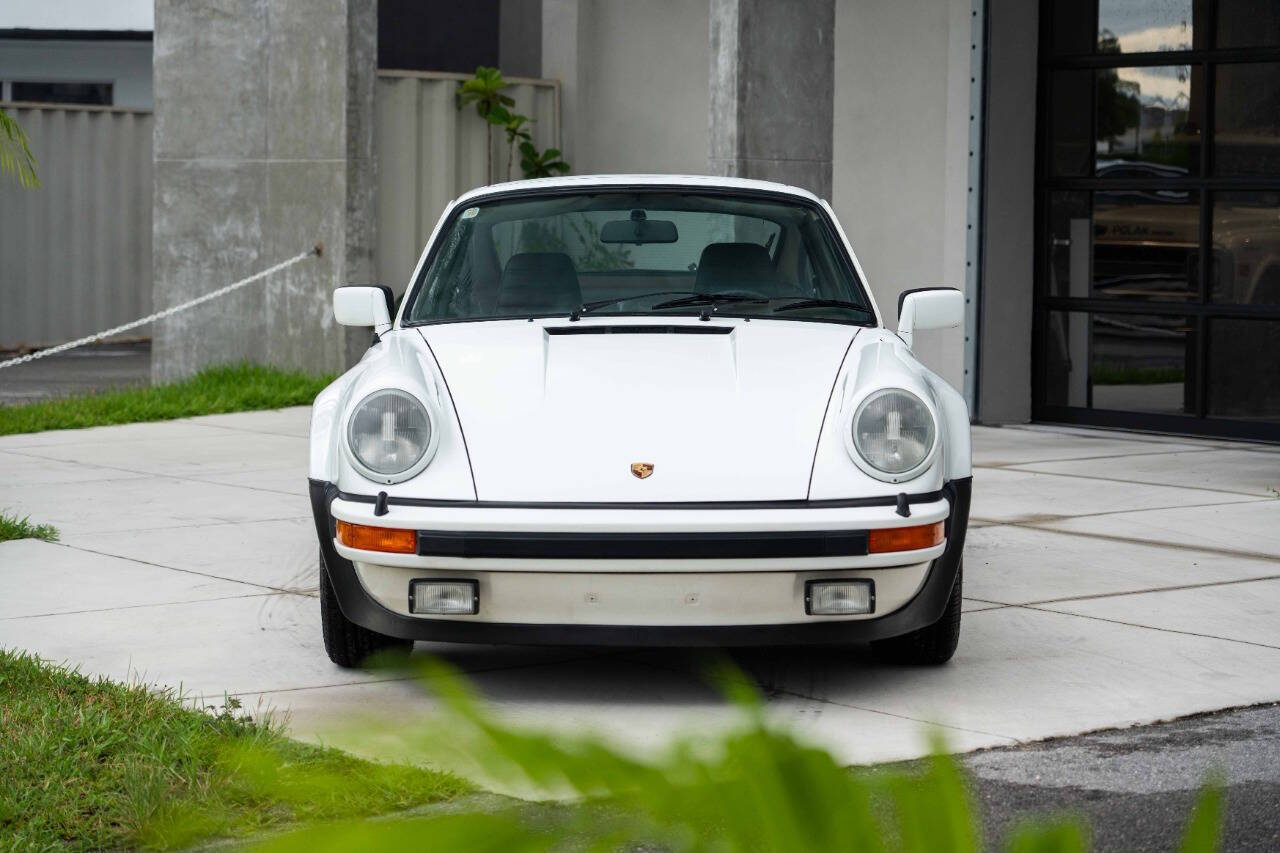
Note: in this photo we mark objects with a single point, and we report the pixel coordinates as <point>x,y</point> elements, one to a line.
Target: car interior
<point>503,263</point>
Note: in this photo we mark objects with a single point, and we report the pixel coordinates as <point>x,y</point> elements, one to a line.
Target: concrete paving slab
<point>640,706</point>
<point>121,433</point>
<point>1021,673</point>
<point>208,647</point>
<point>284,479</point>
<point>999,446</point>
<point>1033,674</point>
<point>43,578</point>
<point>1251,472</point>
<point>1230,530</point>
<point>1248,612</point>
<point>267,643</point>
<point>144,503</point>
<point>21,469</point>
<point>1019,565</point>
<point>214,452</point>
<point>972,605</point>
<point>1006,495</point>
<point>1104,433</point>
<point>280,553</point>
<point>295,420</point>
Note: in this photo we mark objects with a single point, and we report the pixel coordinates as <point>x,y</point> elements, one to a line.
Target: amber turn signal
<point>366,538</point>
<point>906,538</point>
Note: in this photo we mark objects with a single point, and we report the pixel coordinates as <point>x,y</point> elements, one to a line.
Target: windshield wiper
<point>587,307</point>
<point>709,299</point>
<point>823,303</point>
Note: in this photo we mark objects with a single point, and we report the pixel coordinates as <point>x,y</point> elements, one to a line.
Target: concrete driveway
<point>1111,579</point>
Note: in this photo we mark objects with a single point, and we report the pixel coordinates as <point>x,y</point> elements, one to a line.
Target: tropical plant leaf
<point>1065,836</point>
<point>15,152</point>
<point>752,788</point>
<point>1204,829</point>
<point>541,164</point>
<point>485,91</point>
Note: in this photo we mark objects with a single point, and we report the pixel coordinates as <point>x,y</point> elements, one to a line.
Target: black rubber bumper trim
<point>926,608</point>
<point>643,546</point>
<point>834,503</point>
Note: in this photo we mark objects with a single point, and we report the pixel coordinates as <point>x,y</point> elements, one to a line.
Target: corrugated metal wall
<point>429,152</point>
<point>75,254</point>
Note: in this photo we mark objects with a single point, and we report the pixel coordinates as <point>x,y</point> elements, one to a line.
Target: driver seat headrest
<point>725,266</point>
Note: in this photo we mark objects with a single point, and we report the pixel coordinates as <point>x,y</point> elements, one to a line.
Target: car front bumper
<point>683,576</point>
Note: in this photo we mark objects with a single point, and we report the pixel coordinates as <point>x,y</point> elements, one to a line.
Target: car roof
<point>588,181</point>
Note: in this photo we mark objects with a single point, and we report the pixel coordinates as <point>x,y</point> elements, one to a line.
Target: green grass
<point>89,764</point>
<point>12,527</point>
<point>230,388</point>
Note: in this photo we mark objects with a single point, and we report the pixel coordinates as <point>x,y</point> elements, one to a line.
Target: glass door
<point>1158,215</point>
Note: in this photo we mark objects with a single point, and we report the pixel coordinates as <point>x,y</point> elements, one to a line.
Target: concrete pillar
<point>566,26</point>
<point>1008,238</point>
<point>772,83</point>
<point>263,146</point>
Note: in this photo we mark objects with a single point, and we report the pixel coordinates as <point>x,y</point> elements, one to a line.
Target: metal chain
<point>160,315</point>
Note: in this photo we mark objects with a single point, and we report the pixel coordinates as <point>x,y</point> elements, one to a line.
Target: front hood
<point>559,411</point>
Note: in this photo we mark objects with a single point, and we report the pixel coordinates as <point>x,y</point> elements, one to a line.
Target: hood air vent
<point>639,330</point>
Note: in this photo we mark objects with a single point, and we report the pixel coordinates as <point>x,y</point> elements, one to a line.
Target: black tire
<point>349,645</point>
<point>931,645</point>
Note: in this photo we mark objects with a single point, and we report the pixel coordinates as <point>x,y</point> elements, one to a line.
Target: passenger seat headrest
<point>538,282</point>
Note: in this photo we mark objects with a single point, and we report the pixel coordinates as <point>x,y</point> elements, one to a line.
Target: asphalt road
<point>1136,787</point>
<point>85,370</point>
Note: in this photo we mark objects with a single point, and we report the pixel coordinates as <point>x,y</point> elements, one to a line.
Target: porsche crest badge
<point>642,469</point>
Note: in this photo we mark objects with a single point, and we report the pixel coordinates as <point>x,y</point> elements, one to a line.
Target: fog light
<point>444,597</point>
<point>906,538</point>
<point>367,538</point>
<point>839,598</point>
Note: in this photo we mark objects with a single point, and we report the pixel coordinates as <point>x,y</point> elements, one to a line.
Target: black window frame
<point>1200,310</point>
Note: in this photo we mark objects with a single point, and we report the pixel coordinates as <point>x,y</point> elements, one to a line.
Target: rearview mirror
<point>636,230</point>
<point>364,305</point>
<point>929,308</point>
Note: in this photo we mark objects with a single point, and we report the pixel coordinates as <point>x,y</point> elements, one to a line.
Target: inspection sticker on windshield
<point>471,213</point>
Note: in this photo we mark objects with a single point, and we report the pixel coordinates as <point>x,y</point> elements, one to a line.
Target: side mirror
<point>929,308</point>
<point>360,305</point>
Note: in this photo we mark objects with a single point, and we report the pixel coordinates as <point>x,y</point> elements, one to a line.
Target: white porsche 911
<point>640,410</point>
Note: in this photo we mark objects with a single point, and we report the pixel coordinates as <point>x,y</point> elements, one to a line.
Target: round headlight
<point>893,431</point>
<point>389,432</point>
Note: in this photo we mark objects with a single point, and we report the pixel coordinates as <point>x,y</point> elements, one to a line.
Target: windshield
<point>658,252</point>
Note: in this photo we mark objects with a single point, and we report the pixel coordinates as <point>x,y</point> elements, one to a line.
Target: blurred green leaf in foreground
<point>755,789</point>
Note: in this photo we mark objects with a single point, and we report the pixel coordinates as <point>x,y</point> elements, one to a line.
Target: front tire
<point>349,645</point>
<point>931,645</point>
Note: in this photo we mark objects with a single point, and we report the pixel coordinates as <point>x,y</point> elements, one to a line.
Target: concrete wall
<point>75,253</point>
<point>772,78</point>
<point>639,87</point>
<point>429,152</point>
<point>900,152</point>
<point>124,64</point>
<point>634,83</point>
<point>1004,380</point>
<point>260,150</point>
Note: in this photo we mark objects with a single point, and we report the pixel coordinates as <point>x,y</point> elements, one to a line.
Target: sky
<point>77,14</point>
<point>1151,25</point>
